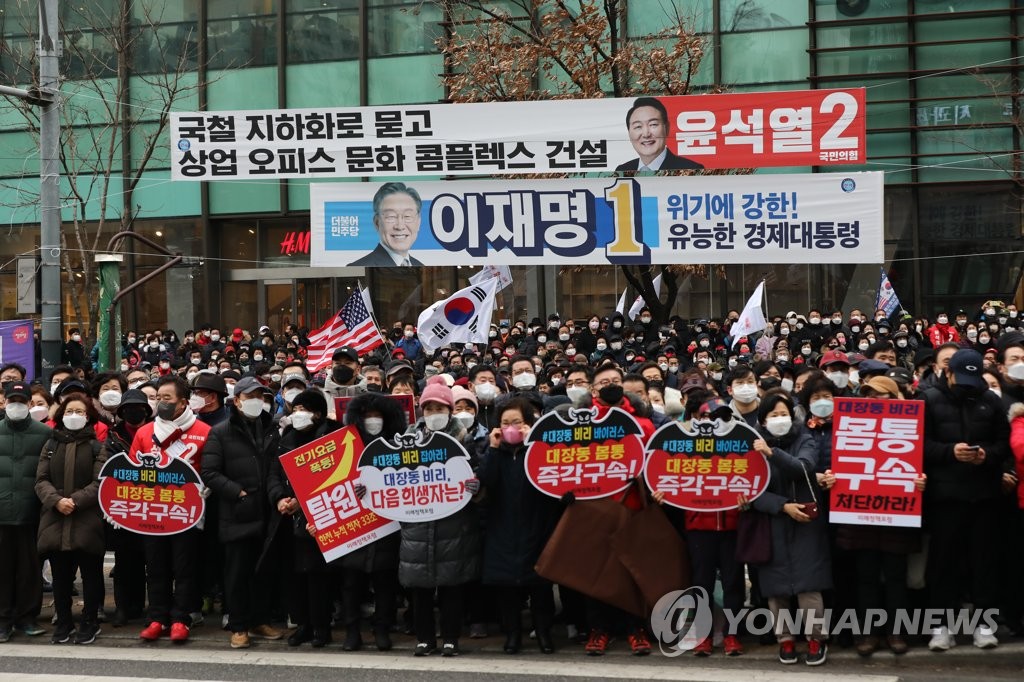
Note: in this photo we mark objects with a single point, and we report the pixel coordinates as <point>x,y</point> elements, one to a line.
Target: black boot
<point>382,638</point>
<point>353,639</point>
<point>544,641</point>
<point>302,634</point>
<point>321,638</point>
<point>513,642</point>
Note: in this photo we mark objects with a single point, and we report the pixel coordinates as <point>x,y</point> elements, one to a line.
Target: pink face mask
<point>511,435</point>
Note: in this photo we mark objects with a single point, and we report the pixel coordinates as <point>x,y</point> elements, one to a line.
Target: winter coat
<point>237,457</point>
<point>69,466</point>
<point>520,519</point>
<point>800,551</point>
<point>20,445</point>
<point>1017,445</point>
<point>979,419</point>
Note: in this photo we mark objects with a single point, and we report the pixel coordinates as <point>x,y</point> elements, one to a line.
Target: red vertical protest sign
<point>877,454</point>
<point>323,474</point>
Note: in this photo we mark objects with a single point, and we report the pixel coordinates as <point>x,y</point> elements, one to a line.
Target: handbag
<point>809,508</point>
<point>579,554</point>
<point>653,552</point>
<point>754,538</point>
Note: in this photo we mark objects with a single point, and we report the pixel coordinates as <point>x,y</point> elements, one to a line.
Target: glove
<point>360,490</point>
<point>473,486</point>
<point>568,498</point>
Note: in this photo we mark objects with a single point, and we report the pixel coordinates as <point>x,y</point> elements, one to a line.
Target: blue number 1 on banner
<point>627,245</point>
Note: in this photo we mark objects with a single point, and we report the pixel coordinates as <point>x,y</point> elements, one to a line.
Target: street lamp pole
<point>49,50</point>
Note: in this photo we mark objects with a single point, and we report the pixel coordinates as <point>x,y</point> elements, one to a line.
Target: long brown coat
<point>69,466</point>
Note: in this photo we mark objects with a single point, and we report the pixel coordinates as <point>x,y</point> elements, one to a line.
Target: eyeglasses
<point>605,382</point>
<point>391,218</point>
<point>519,422</point>
<point>577,382</point>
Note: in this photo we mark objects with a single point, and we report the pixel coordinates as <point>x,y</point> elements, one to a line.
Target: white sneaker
<point>941,640</point>
<point>985,638</point>
<point>571,631</point>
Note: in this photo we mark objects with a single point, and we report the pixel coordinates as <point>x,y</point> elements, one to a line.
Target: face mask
<point>342,374</point>
<point>787,385</point>
<point>577,394</point>
<point>704,344</point>
<point>733,362</point>
<point>840,379</point>
<point>863,345</point>
<point>660,409</point>
<point>594,325</point>
<point>611,394</point>
<point>485,392</point>
<point>837,321</point>
<point>195,361</point>
<point>196,403</point>
<point>822,407</point>
<point>745,393</point>
<point>972,334</point>
<point>110,398</point>
<point>133,414</point>
<point>464,419</point>
<point>276,378</point>
<point>716,376</point>
<point>570,351</point>
<point>302,420</point>
<point>526,380</point>
<point>39,412</point>
<point>538,368</point>
<point>74,422</point>
<point>784,331</point>
<point>257,358</point>
<point>799,325</point>
<point>663,366</point>
<point>1016,371</point>
<point>815,320</point>
<point>124,367</point>
<point>990,312</point>
<point>617,324</point>
<point>782,358</point>
<point>556,380</point>
<point>252,407</point>
<point>602,346</point>
<point>511,435</point>
<point>166,411</point>
<point>542,339</point>
<point>215,337</point>
<point>1002,320</point>
<point>373,425</point>
<point>645,320</point>
<point>805,351</point>
<point>76,337</point>
<point>983,339</point>
<point>943,319</point>
<point>778,426</point>
<point>901,343</point>
<point>17,411</point>
<point>1013,313</point>
<point>563,337</point>
<point>616,345</point>
<point>492,334</point>
<point>291,394</point>
<point>854,377</point>
<point>673,368</point>
<point>436,422</point>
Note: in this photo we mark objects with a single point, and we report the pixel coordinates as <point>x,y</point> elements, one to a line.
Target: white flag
<point>752,318</point>
<point>640,302</point>
<point>620,308</point>
<point>502,272</point>
<point>463,317</point>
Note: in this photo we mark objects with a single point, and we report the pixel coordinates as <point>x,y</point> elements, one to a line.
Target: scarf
<point>166,432</point>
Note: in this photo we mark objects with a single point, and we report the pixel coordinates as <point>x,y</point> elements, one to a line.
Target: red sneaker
<point>732,646</point>
<point>639,644</point>
<point>704,648</point>
<point>597,644</point>
<point>179,632</point>
<point>153,631</point>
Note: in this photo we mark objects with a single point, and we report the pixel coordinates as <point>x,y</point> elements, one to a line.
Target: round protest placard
<point>151,495</point>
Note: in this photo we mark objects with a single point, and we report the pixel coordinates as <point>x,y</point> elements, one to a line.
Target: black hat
<point>70,385</point>
<point>872,367</point>
<point>346,352</point>
<point>18,388</point>
<point>901,375</point>
<point>966,366</point>
<point>208,381</point>
<point>311,399</point>
<point>135,397</point>
<point>250,384</point>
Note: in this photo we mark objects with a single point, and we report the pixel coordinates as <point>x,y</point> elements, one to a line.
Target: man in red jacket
<point>172,568</point>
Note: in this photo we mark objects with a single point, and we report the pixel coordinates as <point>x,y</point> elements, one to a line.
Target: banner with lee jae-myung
<point>668,133</point>
<point>799,218</point>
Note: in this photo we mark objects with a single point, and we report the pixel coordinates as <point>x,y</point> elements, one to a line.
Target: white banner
<point>802,218</point>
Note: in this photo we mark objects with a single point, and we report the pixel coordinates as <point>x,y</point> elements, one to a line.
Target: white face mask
<point>465,419</point>
<point>778,426</point>
<point>840,379</point>
<point>563,337</point>
<point>231,390</point>
<point>787,385</point>
<point>197,402</point>
<point>39,412</point>
<point>74,422</point>
<point>822,407</point>
<point>716,376</point>
<point>902,343</point>
<point>943,319</point>
<point>373,425</point>
<point>616,345</point>
<point>301,420</point>
<point>594,326</point>
<point>136,384</point>
<point>526,380</point>
<point>266,407</point>
<point>854,377</point>
<point>602,346</point>
<point>486,392</point>
<point>660,409</point>
<point>645,320</point>
<point>252,407</point>
<point>1016,371</point>
<point>577,394</point>
<point>436,422</point>
<point>291,394</point>
<point>745,393</point>
<point>53,388</point>
<point>17,412</point>
<point>997,391</point>
<point>110,398</point>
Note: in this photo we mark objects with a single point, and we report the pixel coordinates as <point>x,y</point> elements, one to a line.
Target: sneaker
<point>638,643</point>
<point>31,629</point>
<point>941,640</point>
<point>153,631</point>
<point>450,649</point>
<point>239,640</point>
<point>732,646</point>
<point>572,632</point>
<point>197,618</point>
<point>179,632</point>
<point>62,635</point>
<point>787,653</point>
<point>266,632</point>
<point>597,644</point>
<point>477,631</point>
<point>5,634</point>
<point>704,648</point>
<point>424,649</point>
<point>817,652</point>
<point>224,622</point>
<point>985,638</point>
<point>87,633</point>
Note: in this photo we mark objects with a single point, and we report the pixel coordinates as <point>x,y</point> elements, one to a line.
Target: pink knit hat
<point>437,391</point>
<point>460,393</point>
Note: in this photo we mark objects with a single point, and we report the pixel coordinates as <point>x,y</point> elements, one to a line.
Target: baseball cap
<point>872,367</point>
<point>346,352</point>
<point>250,384</point>
<point>966,367</point>
<point>834,357</point>
<point>692,383</point>
<point>882,385</point>
<point>715,407</point>
<point>901,375</point>
<point>18,388</point>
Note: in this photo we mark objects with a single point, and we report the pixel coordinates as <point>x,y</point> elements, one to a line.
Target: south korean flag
<point>463,317</point>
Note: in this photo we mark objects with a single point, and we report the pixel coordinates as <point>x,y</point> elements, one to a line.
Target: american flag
<point>352,326</point>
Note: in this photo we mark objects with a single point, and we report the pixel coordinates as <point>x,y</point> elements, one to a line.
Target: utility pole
<point>49,50</point>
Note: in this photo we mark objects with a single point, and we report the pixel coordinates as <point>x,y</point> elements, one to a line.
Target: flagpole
<point>373,316</point>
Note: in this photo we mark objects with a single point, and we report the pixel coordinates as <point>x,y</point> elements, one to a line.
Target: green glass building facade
<point>943,83</point>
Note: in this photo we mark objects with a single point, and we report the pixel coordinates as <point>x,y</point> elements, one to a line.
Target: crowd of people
<point>230,404</point>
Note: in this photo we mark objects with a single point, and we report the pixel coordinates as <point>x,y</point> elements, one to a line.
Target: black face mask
<point>134,414</point>
<point>374,388</point>
<point>166,411</point>
<point>966,392</point>
<point>342,374</point>
<point>610,394</point>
